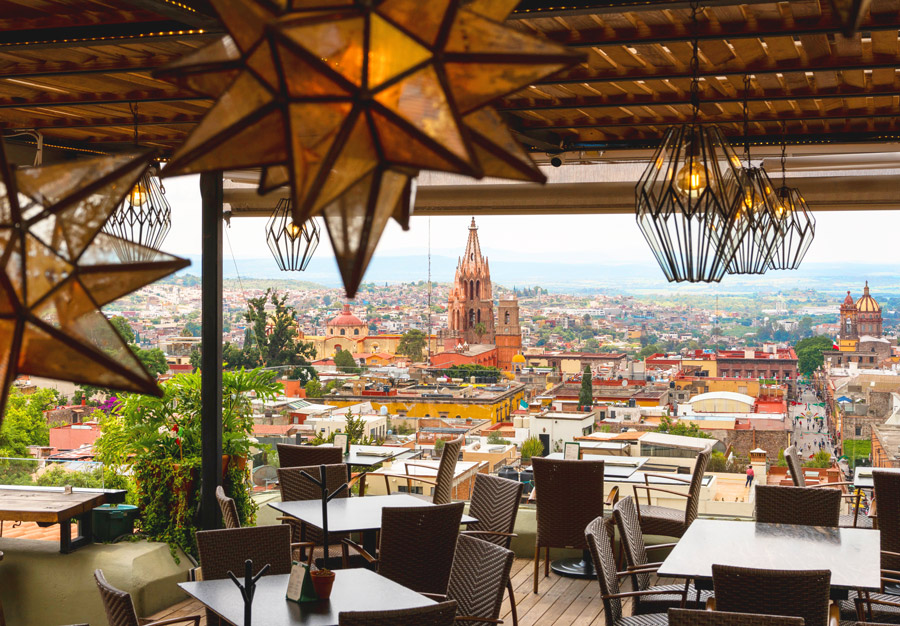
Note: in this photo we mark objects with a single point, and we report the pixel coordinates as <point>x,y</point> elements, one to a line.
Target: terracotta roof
<point>346,318</point>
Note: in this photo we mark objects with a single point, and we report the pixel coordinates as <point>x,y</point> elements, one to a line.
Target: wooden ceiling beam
<point>177,11</point>
<point>142,63</point>
<point>619,122</point>
<point>48,99</point>
<point>530,9</point>
<point>708,96</point>
<point>98,36</point>
<point>601,37</point>
<point>766,65</point>
<point>127,121</point>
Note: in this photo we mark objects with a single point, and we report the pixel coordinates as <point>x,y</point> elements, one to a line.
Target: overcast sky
<point>850,237</point>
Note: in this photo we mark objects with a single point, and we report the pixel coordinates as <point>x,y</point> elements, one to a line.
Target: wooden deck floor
<point>560,601</point>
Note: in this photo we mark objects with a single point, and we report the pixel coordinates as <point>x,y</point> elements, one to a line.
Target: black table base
<point>575,567</point>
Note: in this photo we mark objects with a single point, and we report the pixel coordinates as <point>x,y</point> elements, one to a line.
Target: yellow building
<point>347,332</point>
<point>459,402</point>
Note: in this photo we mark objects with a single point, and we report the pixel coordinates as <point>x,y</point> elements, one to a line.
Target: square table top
<point>369,456</point>
<point>853,555</point>
<point>614,467</point>
<point>354,590</point>
<point>347,515</point>
<point>862,476</point>
<point>40,505</point>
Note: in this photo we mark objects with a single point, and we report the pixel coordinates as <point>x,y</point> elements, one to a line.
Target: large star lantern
<point>57,269</point>
<point>333,96</point>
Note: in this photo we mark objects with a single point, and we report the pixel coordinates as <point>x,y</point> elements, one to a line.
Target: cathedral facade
<point>860,341</point>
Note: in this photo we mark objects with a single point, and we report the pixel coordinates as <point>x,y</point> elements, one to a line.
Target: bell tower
<point>470,306</point>
<point>509,333</point>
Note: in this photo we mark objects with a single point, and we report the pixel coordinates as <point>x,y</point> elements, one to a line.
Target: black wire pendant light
<point>686,203</point>
<point>758,207</point>
<point>798,223</point>
<point>291,245</point>
<point>144,217</point>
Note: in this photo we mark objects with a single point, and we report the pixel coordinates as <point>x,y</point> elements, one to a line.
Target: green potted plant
<point>157,441</point>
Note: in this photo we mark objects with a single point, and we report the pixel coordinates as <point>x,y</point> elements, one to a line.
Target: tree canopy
<point>586,394</point>
<point>809,353</point>
<point>676,427</point>
<point>345,363</point>
<point>478,371</point>
<point>24,423</point>
<point>123,328</point>
<point>412,344</point>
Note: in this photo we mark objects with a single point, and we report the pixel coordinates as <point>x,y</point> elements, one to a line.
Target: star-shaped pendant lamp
<point>318,83</point>
<point>57,269</point>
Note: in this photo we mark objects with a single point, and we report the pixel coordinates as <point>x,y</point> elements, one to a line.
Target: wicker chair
<point>882,607</point>
<point>665,521</point>
<point>442,614</point>
<point>229,509</point>
<point>294,486</point>
<point>571,495</point>
<point>442,483</point>
<point>416,545</point>
<point>597,536</point>
<point>227,549</point>
<point>120,608</point>
<point>640,567</point>
<point>775,592</point>
<point>290,455</point>
<point>798,505</point>
<point>799,479</point>
<point>495,504</point>
<point>688,617</point>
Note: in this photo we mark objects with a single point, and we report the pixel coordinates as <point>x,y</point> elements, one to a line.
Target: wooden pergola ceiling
<point>71,69</point>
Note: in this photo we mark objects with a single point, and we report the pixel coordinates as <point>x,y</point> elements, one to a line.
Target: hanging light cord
<point>747,118</point>
<point>695,61</point>
<point>783,152</point>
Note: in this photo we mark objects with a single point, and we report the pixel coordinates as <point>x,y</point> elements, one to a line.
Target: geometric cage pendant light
<point>291,245</point>
<point>687,198</point>
<point>686,205</point>
<point>760,207</point>
<point>144,217</point>
<point>798,223</point>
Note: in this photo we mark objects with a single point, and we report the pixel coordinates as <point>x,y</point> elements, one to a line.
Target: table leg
<point>65,537</point>
<point>67,544</point>
<point>362,486</point>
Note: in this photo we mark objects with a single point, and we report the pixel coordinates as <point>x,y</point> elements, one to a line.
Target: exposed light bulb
<point>138,195</point>
<point>691,179</point>
<point>292,230</point>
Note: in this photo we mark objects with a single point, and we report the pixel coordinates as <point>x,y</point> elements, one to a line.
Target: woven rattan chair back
<point>569,497</point>
<point>807,506</point>
<point>290,455</point>
<point>690,617</point>
<point>693,501</point>
<point>626,518</point>
<point>597,537</point>
<point>229,509</point>
<point>795,466</point>
<point>887,496</point>
<point>443,490</point>
<point>442,614</point>
<point>294,486</point>
<point>117,603</point>
<point>495,504</point>
<point>478,577</point>
<point>417,545</point>
<point>773,592</point>
<point>227,549</point>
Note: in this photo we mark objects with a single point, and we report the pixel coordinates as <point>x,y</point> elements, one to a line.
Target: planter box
<point>112,521</point>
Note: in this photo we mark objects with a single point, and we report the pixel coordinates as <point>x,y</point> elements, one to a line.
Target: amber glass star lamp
<point>57,269</point>
<point>339,91</point>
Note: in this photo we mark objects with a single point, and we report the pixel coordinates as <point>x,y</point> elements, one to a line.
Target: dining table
<point>351,515</point>
<point>852,555</point>
<point>353,590</point>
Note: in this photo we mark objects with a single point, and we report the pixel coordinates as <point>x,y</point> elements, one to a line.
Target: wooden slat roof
<point>71,69</point>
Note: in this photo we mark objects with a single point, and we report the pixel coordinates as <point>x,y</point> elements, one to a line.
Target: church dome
<point>518,359</point>
<point>867,304</point>
<point>848,301</point>
<point>346,318</point>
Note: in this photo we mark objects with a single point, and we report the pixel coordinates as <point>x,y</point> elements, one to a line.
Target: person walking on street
<point>749,476</point>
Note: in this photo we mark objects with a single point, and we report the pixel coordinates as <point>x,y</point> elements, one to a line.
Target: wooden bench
<point>51,505</point>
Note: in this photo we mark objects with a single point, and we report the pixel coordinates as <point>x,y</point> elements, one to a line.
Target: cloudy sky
<point>851,237</point>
